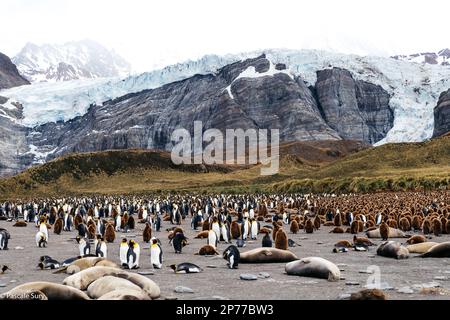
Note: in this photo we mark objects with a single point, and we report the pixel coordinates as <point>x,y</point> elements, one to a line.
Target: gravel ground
<point>218,282</point>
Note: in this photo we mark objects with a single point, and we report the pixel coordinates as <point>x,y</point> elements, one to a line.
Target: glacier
<point>414,88</point>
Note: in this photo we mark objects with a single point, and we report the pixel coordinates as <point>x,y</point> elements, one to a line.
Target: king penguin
<point>156,254</point>
<point>101,249</point>
<point>212,238</point>
<point>123,251</point>
<point>41,240</point>
<point>133,254</point>
<point>84,246</point>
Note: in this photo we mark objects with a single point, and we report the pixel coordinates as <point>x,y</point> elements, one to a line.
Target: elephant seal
<point>83,279</point>
<point>85,263</point>
<point>416,239</point>
<point>441,250</point>
<point>392,249</point>
<point>51,291</point>
<point>314,267</point>
<point>420,247</point>
<point>125,294</point>
<point>106,284</point>
<point>267,255</point>
<point>393,233</point>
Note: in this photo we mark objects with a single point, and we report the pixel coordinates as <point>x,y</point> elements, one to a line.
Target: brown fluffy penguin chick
<point>265,230</point>
<point>205,226</point>
<point>343,244</point>
<point>281,240</point>
<point>416,239</point>
<point>92,230</point>
<point>20,224</point>
<point>125,219</point>
<point>276,227</point>
<point>368,294</point>
<point>370,224</point>
<point>110,234</point>
<point>147,233</point>
<point>354,227</point>
<point>426,226</point>
<point>202,235</point>
<point>317,222</point>
<point>207,251</point>
<point>309,226</point>
<point>444,224</point>
<point>131,223</point>
<point>235,230</point>
<point>437,227</point>
<point>362,241</point>
<point>392,223</point>
<point>294,227</point>
<point>77,221</point>
<point>416,223</point>
<point>173,233</point>
<point>360,226</point>
<point>337,230</point>
<point>59,224</point>
<point>384,231</point>
<point>404,224</point>
<point>337,220</point>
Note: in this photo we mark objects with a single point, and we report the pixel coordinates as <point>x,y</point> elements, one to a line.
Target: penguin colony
<point>224,224</point>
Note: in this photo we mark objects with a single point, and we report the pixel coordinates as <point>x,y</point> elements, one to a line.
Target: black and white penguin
<point>68,222</point>
<point>253,229</point>
<point>133,255</point>
<point>179,241</point>
<point>156,254</point>
<point>212,238</point>
<point>101,227</point>
<point>84,246</point>
<point>47,262</point>
<point>245,228</point>
<point>69,261</point>
<point>123,251</point>
<point>41,240</point>
<point>157,223</point>
<point>4,237</point>
<point>232,255</point>
<point>216,227</point>
<point>267,241</point>
<point>118,223</point>
<point>186,267</point>
<point>82,230</point>
<point>101,250</point>
<point>43,228</point>
<point>225,232</point>
<point>196,219</point>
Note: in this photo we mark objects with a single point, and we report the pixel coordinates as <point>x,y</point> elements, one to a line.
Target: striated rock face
<point>254,93</point>
<point>357,110</point>
<point>9,76</point>
<point>249,94</point>
<point>442,115</point>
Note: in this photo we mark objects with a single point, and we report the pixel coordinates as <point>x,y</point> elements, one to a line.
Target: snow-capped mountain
<point>409,91</point>
<point>414,88</point>
<point>441,57</point>
<point>70,61</point>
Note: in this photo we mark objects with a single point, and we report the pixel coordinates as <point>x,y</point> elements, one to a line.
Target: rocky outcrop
<point>442,115</point>
<point>249,94</point>
<point>9,76</point>
<point>356,110</point>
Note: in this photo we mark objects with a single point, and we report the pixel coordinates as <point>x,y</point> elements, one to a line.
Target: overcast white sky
<point>153,33</point>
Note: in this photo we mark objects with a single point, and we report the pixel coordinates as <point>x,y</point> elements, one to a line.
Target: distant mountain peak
<point>85,59</point>
<point>441,57</point>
